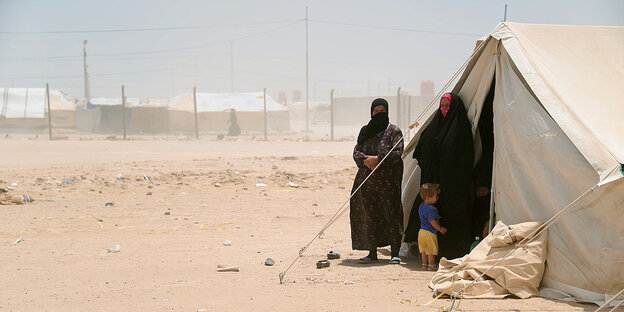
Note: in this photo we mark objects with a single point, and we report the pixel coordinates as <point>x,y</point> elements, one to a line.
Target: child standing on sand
<point>429,225</point>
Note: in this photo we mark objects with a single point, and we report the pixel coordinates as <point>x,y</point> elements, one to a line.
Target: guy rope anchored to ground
<point>345,205</point>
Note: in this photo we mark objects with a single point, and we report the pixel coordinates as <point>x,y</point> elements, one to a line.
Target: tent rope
<point>344,206</point>
<point>611,300</point>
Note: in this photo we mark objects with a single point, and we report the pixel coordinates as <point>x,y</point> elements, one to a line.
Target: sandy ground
<point>172,230</point>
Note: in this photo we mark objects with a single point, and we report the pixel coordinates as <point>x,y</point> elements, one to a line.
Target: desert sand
<point>171,227</point>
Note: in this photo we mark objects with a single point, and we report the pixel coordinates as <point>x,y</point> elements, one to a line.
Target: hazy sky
<point>355,47</point>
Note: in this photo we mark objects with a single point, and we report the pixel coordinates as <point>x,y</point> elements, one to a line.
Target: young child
<point>429,225</point>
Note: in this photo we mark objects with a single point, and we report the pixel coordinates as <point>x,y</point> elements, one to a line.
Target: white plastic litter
<point>117,248</point>
<point>261,185</point>
<point>159,299</point>
<point>227,243</point>
<point>18,240</point>
<point>227,268</point>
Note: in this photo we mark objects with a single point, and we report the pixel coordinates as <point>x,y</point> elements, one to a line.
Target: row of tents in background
<point>26,108</point>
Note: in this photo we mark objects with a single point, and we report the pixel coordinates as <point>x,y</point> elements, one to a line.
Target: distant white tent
<point>558,137</point>
<point>143,115</point>
<point>104,115</point>
<point>214,111</point>
<point>26,107</point>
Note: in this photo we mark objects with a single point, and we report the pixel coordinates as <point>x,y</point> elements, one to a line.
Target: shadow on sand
<point>411,263</point>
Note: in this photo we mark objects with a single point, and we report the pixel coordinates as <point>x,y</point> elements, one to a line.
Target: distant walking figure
<point>234,129</point>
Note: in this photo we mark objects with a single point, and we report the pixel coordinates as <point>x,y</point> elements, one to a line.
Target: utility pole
<point>331,105</point>
<point>195,70</point>
<point>123,111</point>
<point>86,75</point>
<point>232,65</point>
<point>307,105</point>
<point>195,112</point>
<point>47,98</point>
<point>265,116</point>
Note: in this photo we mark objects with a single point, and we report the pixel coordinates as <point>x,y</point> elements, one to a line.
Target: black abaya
<point>445,154</point>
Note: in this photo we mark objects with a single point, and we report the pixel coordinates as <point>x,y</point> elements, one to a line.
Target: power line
<point>398,29</point>
<point>139,29</point>
<point>157,51</point>
<point>104,74</point>
<point>200,46</point>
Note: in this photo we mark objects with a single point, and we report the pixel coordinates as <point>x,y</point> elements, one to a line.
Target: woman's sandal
<point>395,260</point>
<point>366,260</point>
<point>431,267</point>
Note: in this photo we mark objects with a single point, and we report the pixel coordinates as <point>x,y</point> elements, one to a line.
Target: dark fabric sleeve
<point>359,156</point>
<point>395,155</point>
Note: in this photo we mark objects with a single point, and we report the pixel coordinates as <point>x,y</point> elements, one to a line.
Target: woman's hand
<point>371,162</point>
<point>482,191</point>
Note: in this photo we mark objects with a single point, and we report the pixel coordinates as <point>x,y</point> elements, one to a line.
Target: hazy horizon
<point>158,49</point>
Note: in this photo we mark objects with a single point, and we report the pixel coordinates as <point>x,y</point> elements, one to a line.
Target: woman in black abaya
<point>376,210</point>
<point>445,155</point>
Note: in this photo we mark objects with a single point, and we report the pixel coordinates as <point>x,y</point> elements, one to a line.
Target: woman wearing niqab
<point>376,210</point>
<point>445,155</point>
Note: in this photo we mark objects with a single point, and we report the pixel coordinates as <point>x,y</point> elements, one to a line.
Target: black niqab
<point>445,154</point>
<point>379,122</point>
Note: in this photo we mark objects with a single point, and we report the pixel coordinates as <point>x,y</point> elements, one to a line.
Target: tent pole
<point>409,116</point>
<point>398,101</point>
<point>123,111</point>
<point>265,116</point>
<point>331,105</point>
<point>195,112</point>
<point>47,97</point>
<point>307,97</point>
<point>505,17</point>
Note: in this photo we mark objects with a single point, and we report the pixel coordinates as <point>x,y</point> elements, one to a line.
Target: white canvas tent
<point>213,112</point>
<point>558,133</point>
<point>103,115</point>
<point>26,108</point>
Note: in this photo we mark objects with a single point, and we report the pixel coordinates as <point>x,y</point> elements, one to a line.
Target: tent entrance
<point>482,172</point>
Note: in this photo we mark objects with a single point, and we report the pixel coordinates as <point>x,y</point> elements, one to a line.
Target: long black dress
<point>445,154</point>
<point>376,209</point>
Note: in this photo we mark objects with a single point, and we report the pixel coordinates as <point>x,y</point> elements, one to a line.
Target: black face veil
<point>378,123</point>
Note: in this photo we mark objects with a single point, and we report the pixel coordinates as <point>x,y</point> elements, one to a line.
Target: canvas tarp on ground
<point>26,107</point>
<point>213,112</point>
<point>558,138</point>
<point>518,271</point>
